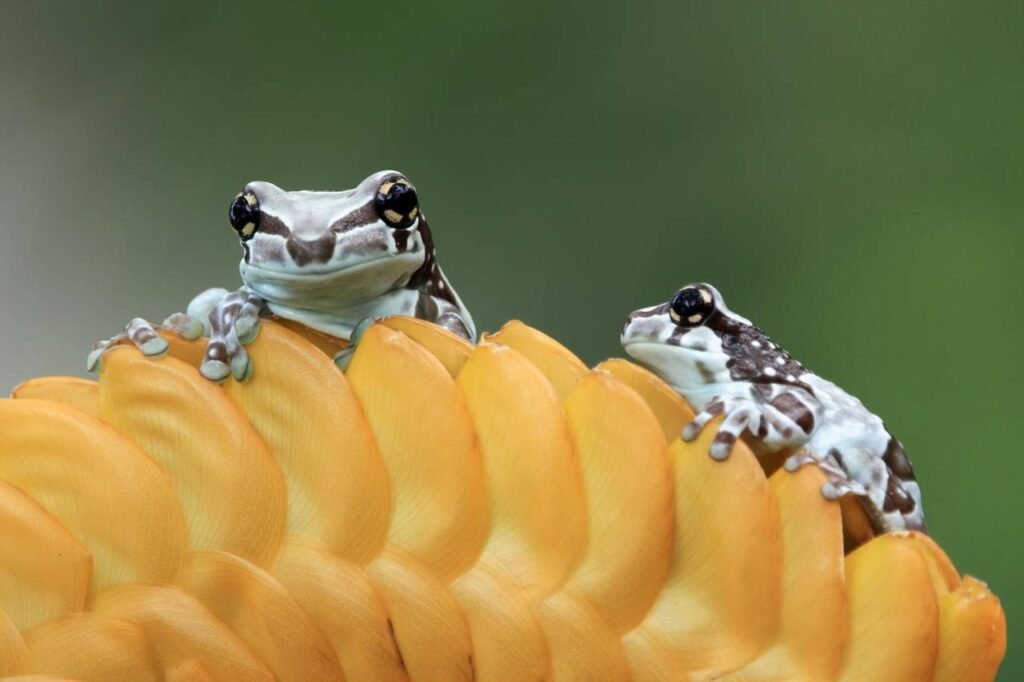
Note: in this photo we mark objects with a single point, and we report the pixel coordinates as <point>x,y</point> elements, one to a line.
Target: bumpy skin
<point>328,260</point>
<point>724,365</point>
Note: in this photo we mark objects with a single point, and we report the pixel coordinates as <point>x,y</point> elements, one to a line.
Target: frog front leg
<point>145,336</point>
<point>231,320</point>
<point>777,419</point>
<point>837,481</point>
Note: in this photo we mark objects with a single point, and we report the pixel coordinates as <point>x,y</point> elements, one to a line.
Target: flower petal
<point>812,630</point>
<point>262,613</point>
<point>669,408</point>
<point>507,640</point>
<point>304,409</point>
<point>81,394</point>
<point>432,634</point>
<point>183,636</point>
<point>562,368</point>
<point>534,481</point>
<point>93,647</point>
<point>720,605</point>
<point>346,608</point>
<point>426,438</point>
<point>628,480</point>
<point>583,646</point>
<point>15,658</point>
<point>972,634</point>
<point>44,571</point>
<point>112,497</point>
<point>893,631</point>
<point>234,501</point>
<point>451,350</point>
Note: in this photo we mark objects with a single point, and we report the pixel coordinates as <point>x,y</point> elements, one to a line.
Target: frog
<point>725,366</point>
<point>334,262</point>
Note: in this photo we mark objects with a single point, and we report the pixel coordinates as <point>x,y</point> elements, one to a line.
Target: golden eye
<point>397,203</point>
<point>691,306</point>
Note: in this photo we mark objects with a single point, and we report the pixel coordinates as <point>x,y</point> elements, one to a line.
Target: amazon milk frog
<point>332,261</point>
<point>724,365</point>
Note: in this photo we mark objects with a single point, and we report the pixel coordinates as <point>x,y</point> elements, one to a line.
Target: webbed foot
<point>837,484</point>
<point>234,320</point>
<point>145,336</point>
<point>740,415</point>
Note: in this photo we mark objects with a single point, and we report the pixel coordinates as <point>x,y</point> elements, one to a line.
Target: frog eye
<point>691,306</point>
<point>244,214</point>
<point>397,204</point>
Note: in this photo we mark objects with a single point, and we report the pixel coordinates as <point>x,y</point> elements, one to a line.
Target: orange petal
<point>112,497</point>
<point>190,351</point>
<point>262,613</point>
<point>451,350</point>
<point>231,491</point>
<point>427,441</point>
<point>183,634</point>
<point>346,608</point>
<point>652,659</point>
<point>15,658</point>
<point>44,571</point>
<point>582,645</point>
<point>93,647</point>
<point>628,479</point>
<point>669,408</point>
<point>534,481</point>
<point>563,369</point>
<point>893,631</point>
<point>432,634</point>
<point>720,605</point>
<point>945,577</point>
<point>507,641</point>
<point>812,631</point>
<point>81,394</point>
<point>302,406</point>
<point>972,634</point>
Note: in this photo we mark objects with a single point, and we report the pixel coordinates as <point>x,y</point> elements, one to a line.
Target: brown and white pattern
<point>328,260</point>
<point>725,365</point>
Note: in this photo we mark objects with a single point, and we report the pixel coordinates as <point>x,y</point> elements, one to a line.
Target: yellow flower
<point>438,512</point>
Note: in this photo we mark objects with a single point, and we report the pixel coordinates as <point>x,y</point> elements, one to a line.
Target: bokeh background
<point>849,174</point>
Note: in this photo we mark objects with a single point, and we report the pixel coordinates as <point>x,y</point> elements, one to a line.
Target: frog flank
<point>326,260</point>
<point>726,366</point>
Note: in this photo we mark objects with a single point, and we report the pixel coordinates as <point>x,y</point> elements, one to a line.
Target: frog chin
<point>689,371</point>
<point>340,293</point>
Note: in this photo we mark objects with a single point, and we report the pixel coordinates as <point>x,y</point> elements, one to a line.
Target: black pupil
<point>241,213</point>
<point>689,302</point>
<point>400,198</point>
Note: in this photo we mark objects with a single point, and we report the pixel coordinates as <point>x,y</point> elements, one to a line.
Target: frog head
<point>357,243</point>
<point>697,345</point>
<point>330,259</point>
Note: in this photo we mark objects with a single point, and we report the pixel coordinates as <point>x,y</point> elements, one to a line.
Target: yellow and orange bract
<point>444,512</point>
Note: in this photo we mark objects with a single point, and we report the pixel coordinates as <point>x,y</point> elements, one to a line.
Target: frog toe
<point>153,347</point>
<point>247,328</point>
<point>215,370</point>
<point>184,325</point>
<point>241,366</point>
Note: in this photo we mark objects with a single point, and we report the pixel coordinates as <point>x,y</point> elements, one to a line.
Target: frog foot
<point>343,357</point>
<point>741,414</point>
<point>837,484</point>
<point>145,336</point>
<point>234,320</point>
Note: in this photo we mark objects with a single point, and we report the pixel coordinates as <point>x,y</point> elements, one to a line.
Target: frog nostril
<point>244,214</point>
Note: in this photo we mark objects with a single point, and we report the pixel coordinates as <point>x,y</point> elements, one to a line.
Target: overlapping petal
<point>442,512</point>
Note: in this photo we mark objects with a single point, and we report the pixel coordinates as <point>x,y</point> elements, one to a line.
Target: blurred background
<point>848,175</point>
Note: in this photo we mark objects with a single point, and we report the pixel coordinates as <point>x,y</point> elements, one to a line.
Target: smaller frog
<point>333,261</point>
<point>724,365</point>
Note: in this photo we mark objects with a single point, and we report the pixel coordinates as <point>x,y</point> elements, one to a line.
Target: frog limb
<point>233,322</point>
<point>145,336</point>
<point>838,483</point>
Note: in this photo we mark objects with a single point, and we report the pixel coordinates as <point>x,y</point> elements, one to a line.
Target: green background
<point>849,175</point>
